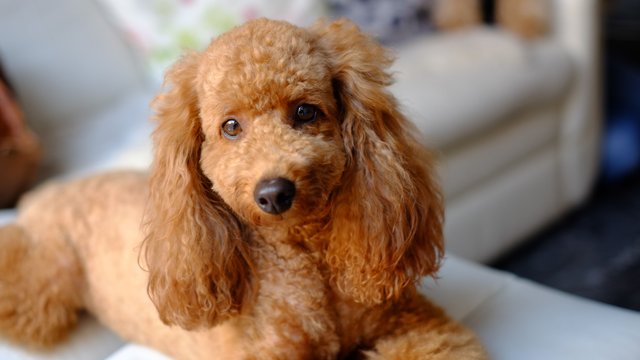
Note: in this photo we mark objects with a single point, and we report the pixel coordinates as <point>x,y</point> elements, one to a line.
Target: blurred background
<point>533,107</point>
<point>594,250</point>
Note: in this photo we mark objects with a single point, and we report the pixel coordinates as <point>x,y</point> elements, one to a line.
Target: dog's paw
<point>32,310</point>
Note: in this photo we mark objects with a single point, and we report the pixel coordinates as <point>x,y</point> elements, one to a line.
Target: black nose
<point>275,196</point>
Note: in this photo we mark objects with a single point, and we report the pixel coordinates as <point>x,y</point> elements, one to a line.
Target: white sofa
<point>85,92</point>
<point>517,124</point>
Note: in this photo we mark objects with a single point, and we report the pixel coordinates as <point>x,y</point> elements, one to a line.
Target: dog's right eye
<point>231,129</point>
<point>305,114</point>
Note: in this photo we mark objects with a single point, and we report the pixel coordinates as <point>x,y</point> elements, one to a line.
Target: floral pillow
<point>390,21</point>
<point>163,29</point>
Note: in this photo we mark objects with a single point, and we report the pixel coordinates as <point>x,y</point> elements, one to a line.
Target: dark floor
<point>593,252</point>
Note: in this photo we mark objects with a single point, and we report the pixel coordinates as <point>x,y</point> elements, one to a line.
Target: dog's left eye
<point>231,129</point>
<point>306,113</point>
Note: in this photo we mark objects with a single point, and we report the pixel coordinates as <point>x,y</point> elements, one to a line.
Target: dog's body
<point>288,215</point>
<point>96,264</point>
<point>90,250</point>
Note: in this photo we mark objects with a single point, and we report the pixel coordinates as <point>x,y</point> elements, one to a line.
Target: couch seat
<point>519,319</point>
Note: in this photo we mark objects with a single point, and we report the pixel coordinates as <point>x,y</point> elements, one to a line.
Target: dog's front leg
<point>292,317</point>
<point>413,328</point>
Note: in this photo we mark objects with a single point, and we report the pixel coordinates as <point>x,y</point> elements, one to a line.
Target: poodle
<point>288,214</point>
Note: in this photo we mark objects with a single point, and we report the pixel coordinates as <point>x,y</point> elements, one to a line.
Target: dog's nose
<point>275,196</point>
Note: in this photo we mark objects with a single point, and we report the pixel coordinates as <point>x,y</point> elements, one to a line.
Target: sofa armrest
<point>69,63</point>
<point>576,25</point>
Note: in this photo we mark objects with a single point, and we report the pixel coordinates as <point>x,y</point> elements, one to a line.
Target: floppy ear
<point>387,217</point>
<point>197,262</point>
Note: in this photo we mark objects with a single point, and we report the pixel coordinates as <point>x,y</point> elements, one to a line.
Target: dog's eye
<point>305,114</point>
<point>231,129</point>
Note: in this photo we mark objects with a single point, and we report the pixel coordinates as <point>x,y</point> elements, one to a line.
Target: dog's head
<point>278,126</point>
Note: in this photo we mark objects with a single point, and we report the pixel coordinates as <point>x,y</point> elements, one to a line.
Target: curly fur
<point>193,240</point>
<point>332,277</point>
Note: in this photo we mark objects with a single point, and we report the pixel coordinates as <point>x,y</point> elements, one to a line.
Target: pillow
<point>390,21</point>
<point>20,151</point>
<point>163,29</point>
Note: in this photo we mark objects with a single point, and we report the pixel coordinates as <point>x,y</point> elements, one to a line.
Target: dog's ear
<point>198,264</point>
<point>387,217</point>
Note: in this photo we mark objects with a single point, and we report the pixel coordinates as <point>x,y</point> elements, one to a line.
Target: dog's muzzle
<point>275,196</point>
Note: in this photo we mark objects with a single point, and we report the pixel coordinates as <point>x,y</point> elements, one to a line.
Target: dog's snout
<point>275,196</point>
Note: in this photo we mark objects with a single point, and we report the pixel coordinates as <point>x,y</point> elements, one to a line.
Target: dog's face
<point>285,126</point>
<point>272,144</point>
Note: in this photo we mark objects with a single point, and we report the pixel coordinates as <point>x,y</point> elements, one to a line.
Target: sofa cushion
<point>468,165</point>
<point>137,352</point>
<point>461,84</point>
<point>527,321</point>
<point>518,319</point>
<point>67,63</point>
<point>89,341</point>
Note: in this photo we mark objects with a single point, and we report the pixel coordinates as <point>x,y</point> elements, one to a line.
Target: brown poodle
<point>289,213</point>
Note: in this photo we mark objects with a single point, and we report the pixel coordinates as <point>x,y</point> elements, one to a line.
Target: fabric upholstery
<point>451,91</point>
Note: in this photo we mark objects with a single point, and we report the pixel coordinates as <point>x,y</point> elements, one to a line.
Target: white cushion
<point>137,352</point>
<point>527,321</point>
<point>461,84</point>
<point>461,286</point>
<point>7,215</point>
<point>90,341</point>
<point>517,319</point>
